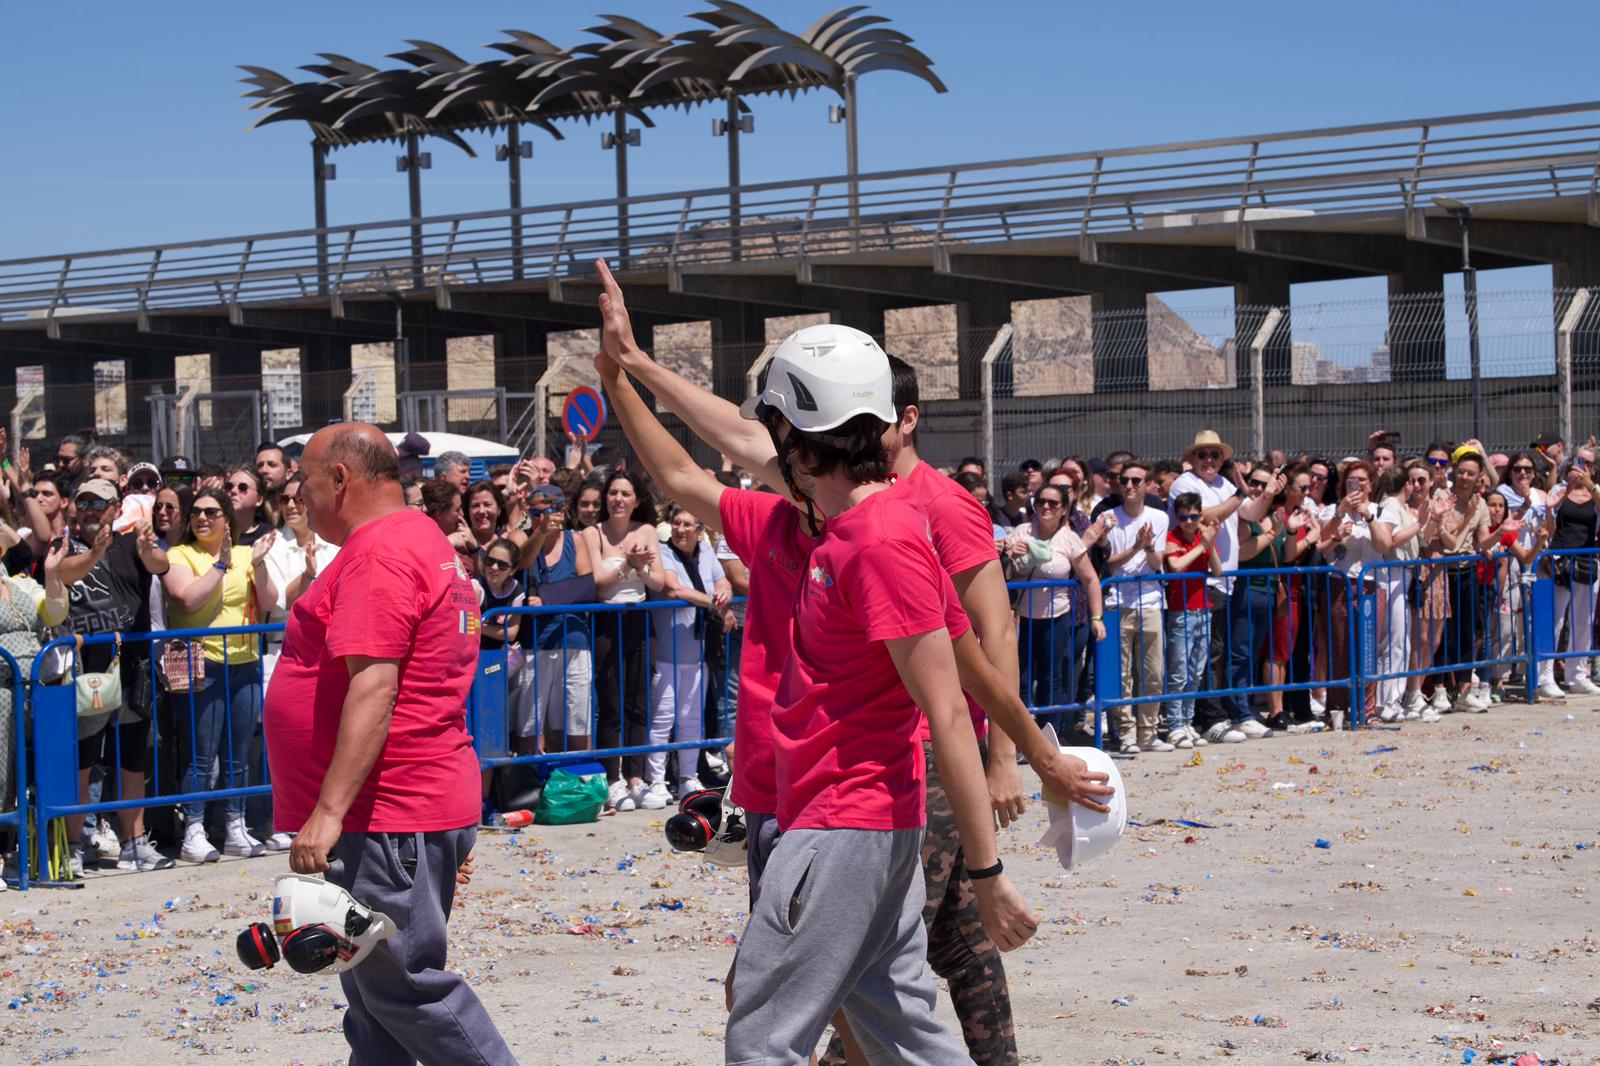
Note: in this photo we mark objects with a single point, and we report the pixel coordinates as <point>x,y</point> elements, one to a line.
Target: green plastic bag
<point>571,799</point>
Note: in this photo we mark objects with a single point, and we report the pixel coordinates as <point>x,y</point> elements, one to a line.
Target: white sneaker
<point>1441,699</point>
<point>75,860</point>
<point>1549,690</point>
<point>279,842</point>
<point>1412,702</point>
<point>1429,714</point>
<point>240,842</point>
<point>655,798</point>
<point>140,854</point>
<point>1129,748</point>
<point>1413,714</point>
<point>1155,744</point>
<point>1253,729</point>
<point>620,797</point>
<point>688,785</point>
<point>1585,686</point>
<point>105,840</point>
<point>196,848</point>
<point>1391,713</point>
<point>1181,740</point>
<point>1194,735</point>
<point>1319,706</point>
<point>1464,703</point>
<point>1224,733</point>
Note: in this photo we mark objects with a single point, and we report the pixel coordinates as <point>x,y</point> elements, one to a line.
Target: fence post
<point>541,402</point>
<point>1258,385</point>
<point>1365,653</point>
<point>1569,323</point>
<point>1107,670</point>
<point>1002,340</point>
<point>1541,622</point>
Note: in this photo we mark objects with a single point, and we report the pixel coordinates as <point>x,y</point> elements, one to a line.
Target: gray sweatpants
<point>405,1007</point>
<point>838,924</point>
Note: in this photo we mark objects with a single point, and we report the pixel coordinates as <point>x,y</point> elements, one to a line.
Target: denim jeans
<point>1247,644</point>
<point>222,718</point>
<point>1046,643</point>
<point>1188,644</point>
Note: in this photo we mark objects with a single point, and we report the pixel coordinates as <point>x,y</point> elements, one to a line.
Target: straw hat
<point>1207,438</point>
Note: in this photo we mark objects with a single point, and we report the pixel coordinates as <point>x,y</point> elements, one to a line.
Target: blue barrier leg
<point>1541,623</point>
<point>1107,670</point>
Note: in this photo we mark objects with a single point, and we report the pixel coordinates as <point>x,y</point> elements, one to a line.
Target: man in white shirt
<point>1222,500</point>
<point>1134,543</point>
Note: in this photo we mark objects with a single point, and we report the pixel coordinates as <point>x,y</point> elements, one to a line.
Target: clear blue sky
<point>123,124</point>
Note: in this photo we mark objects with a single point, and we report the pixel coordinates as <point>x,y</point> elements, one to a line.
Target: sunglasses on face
<point>1259,484</point>
<point>496,564</point>
<point>1437,462</point>
<point>93,503</point>
<point>144,483</point>
<point>1318,477</point>
<point>241,486</point>
<point>1047,502</point>
<point>1189,518</point>
<point>1208,454</point>
<point>210,514</point>
<point>1522,470</point>
<point>165,507</point>
<point>1131,480</point>
<point>64,460</point>
<point>287,500</point>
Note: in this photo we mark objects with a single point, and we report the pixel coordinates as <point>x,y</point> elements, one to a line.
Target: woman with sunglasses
<point>253,515</point>
<point>1296,536</point>
<point>295,559</point>
<point>503,585</point>
<point>485,509</point>
<point>557,687</point>
<point>215,583</point>
<point>1572,520</point>
<point>1527,502</point>
<point>1046,549</point>
<point>1463,533</point>
<point>1402,492</point>
<point>1347,544</point>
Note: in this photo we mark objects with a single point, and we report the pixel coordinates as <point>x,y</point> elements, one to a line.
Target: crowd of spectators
<point>1219,644</point>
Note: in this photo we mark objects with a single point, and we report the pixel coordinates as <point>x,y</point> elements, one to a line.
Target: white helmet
<point>1077,833</point>
<point>317,927</point>
<point>822,376</point>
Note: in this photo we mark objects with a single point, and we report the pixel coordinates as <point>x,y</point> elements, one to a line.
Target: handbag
<point>1280,585</point>
<point>100,693</point>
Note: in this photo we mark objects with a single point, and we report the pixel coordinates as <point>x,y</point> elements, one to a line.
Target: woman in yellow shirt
<point>214,583</point>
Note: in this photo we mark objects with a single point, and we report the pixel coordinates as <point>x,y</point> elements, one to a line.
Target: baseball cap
<point>139,468</point>
<point>1030,465</point>
<point>550,495</point>
<point>1544,440</point>
<point>414,444</point>
<point>98,487</point>
<point>176,464</point>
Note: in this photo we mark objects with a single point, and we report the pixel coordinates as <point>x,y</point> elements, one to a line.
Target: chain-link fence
<point>1062,379</point>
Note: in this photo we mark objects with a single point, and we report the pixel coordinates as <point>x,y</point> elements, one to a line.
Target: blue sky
<point>124,126</point>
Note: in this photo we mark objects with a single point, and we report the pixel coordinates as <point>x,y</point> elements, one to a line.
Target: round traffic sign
<point>584,413</point>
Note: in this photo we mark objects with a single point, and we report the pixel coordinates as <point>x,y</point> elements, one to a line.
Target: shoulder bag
<point>183,662</point>
<point>99,693</point>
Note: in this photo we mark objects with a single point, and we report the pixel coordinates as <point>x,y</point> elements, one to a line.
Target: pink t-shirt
<point>395,591</point>
<point>963,537</point>
<point>765,532</point>
<point>845,730</point>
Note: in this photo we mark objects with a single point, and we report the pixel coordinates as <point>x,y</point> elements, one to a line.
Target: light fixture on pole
<point>514,151</point>
<point>1469,285</point>
<point>731,127</point>
<point>412,164</point>
<point>620,140</point>
<point>322,172</point>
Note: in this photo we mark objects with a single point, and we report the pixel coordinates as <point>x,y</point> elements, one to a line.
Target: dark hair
<point>270,446</point>
<point>1115,457</point>
<point>1328,486</point>
<point>1439,446</point>
<point>644,508</point>
<point>905,394</point>
<point>56,480</point>
<point>1012,482</point>
<point>1185,500</point>
<point>220,495</point>
<point>1391,482</point>
<point>970,481</point>
<point>265,512</point>
<point>497,469</point>
<point>478,487</point>
<point>405,482</point>
<point>1290,472</point>
<point>78,440</point>
<point>972,460</point>
<point>853,451</point>
<point>509,546</point>
<point>1132,461</point>
<point>437,495</point>
<point>1165,466</point>
<point>568,481</point>
<point>1344,475</point>
<point>1511,462</point>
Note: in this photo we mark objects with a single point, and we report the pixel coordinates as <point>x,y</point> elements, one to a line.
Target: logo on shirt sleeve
<point>467,622</point>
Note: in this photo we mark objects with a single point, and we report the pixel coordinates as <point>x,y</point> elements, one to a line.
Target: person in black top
<point>1573,520</point>
<point>107,576</point>
<point>252,511</point>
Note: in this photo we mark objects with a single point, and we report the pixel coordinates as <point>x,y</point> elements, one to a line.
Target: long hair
<point>219,495</point>
<point>266,511</point>
<point>644,508</point>
<point>854,451</point>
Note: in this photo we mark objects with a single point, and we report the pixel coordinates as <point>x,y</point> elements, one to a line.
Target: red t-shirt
<point>844,728</point>
<point>395,591</point>
<point>765,532</point>
<point>963,537</point>
<point>1187,593</point>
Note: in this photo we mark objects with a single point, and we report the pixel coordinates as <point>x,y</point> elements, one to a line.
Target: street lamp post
<point>1469,284</point>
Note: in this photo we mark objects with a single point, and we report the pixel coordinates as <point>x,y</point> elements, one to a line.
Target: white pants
<point>557,681</point>
<point>677,697</point>
<point>1394,638</point>
<point>1575,613</point>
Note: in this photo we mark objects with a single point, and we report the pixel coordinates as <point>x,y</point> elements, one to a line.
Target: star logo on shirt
<point>820,576</point>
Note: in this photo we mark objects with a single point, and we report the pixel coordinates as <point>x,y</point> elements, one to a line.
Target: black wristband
<point>987,872</point>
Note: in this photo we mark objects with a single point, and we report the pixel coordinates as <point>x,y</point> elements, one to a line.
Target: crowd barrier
<point>1335,634</point>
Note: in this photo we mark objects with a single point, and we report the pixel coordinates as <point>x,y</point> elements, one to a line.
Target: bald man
<point>367,739</point>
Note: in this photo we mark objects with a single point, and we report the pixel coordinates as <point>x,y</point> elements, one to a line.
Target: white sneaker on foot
<point>196,848</point>
<point>1194,735</point>
<point>1413,701</point>
<point>1391,713</point>
<point>1224,733</point>
<point>620,797</point>
<point>655,798</point>
<point>140,854</point>
<point>1155,744</point>
<point>239,841</point>
<point>1549,690</point>
<point>1129,748</point>
<point>1180,740</point>
<point>1441,699</point>
<point>1429,714</point>
<point>279,842</point>
<point>688,785</point>
<point>105,840</point>
<point>75,860</point>
<point>1253,729</point>
<point>1584,686</point>
<point>1319,705</point>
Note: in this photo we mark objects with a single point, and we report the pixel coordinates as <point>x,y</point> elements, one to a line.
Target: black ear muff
<point>257,947</point>
<point>312,947</point>
<point>697,821</point>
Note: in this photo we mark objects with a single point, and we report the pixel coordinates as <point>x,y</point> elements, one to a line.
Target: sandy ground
<point>1450,912</point>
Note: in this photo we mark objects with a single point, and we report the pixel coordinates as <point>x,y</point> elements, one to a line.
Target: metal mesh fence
<point>1071,380</point>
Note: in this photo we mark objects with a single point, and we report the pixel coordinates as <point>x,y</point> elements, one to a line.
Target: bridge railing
<point>1532,153</point>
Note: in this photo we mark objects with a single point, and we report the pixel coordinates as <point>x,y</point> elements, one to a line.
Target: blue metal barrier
<point>1561,603</point>
<point>17,818</point>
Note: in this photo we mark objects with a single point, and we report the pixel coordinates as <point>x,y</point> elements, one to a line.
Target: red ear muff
<point>312,947</point>
<point>257,947</point>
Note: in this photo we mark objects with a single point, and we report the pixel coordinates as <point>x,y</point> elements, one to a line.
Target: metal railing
<point>1520,155</point>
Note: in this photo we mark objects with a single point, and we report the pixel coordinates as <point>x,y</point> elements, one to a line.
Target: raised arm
<point>672,468</point>
<point>711,418</point>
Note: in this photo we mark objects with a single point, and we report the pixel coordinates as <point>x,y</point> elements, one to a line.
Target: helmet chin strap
<point>784,446</point>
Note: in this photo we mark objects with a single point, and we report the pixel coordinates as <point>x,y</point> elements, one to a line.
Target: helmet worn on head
<point>822,376</point>
<point>317,927</point>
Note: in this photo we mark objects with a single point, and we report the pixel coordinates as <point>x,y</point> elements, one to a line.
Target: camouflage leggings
<point>958,949</point>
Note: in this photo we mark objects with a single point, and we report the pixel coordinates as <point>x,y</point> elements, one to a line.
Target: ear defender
<point>257,947</point>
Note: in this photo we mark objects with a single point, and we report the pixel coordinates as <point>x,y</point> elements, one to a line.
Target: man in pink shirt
<point>371,761</point>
